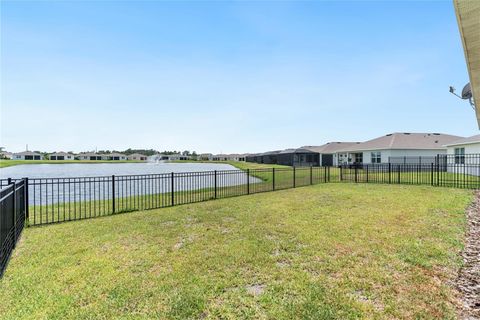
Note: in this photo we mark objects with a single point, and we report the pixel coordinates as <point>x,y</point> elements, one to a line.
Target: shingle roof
<point>115,154</point>
<point>298,150</point>
<point>330,147</point>
<point>472,139</point>
<point>90,154</point>
<point>405,140</point>
<point>27,153</point>
<point>137,155</point>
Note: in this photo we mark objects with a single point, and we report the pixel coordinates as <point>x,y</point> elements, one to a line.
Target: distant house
<point>327,152</point>
<point>397,148</point>
<point>90,156</point>
<point>27,155</point>
<point>61,156</point>
<point>115,156</point>
<point>137,157</point>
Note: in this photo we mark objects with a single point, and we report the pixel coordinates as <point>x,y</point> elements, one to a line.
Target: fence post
<point>438,170</point>
<point>389,173</point>
<point>325,174</point>
<point>113,193</point>
<point>398,174</point>
<point>341,173</point>
<point>273,179</point>
<point>431,173</point>
<point>14,213</point>
<point>172,186</point>
<point>25,196</point>
<point>215,183</point>
<point>356,172</point>
<point>294,177</point>
<point>311,175</point>
<point>248,181</point>
<point>366,172</point>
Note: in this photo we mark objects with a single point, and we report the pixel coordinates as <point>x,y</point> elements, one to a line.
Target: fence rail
<point>13,214</point>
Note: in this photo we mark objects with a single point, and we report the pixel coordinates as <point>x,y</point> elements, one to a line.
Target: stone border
<point>468,280</point>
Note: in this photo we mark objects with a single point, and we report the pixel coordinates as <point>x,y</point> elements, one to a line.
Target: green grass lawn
<point>10,163</point>
<point>330,251</point>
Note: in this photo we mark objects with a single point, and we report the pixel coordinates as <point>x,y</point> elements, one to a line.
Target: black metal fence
<point>13,214</point>
<point>435,174</point>
<point>52,200</point>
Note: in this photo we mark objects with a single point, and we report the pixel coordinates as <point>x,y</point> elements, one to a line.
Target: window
<point>358,158</point>
<point>459,155</point>
<point>376,157</point>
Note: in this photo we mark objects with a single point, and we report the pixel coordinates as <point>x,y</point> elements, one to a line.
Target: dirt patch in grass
<point>468,282</point>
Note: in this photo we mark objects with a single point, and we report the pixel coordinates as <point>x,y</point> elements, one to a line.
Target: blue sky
<point>226,76</point>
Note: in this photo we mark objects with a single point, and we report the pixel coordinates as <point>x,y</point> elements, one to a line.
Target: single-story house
<point>115,156</point>
<point>90,156</point>
<point>327,152</point>
<point>27,155</point>
<point>463,156</point>
<point>137,157</point>
<point>399,147</point>
<point>61,156</point>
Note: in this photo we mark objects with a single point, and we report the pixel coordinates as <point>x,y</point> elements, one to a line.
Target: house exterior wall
<point>26,157</point>
<point>411,156</point>
<point>471,148</point>
<point>137,158</point>
<point>62,157</point>
<point>470,165</point>
<point>90,157</point>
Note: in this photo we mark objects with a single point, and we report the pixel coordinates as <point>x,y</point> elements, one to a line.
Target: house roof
<point>90,154</point>
<point>298,150</point>
<point>469,140</point>
<point>115,154</point>
<point>468,13</point>
<point>330,147</point>
<point>267,153</point>
<point>137,155</point>
<point>27,153</point>
<point>405,140</point>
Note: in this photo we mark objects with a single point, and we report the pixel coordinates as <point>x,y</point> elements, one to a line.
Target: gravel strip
<point>468,281</point>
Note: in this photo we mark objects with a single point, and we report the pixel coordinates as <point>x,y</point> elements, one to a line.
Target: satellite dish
<point>467,92</point>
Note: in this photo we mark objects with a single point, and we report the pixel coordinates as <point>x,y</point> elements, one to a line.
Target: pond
<point>63,183</point>
<point>105,169</point>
